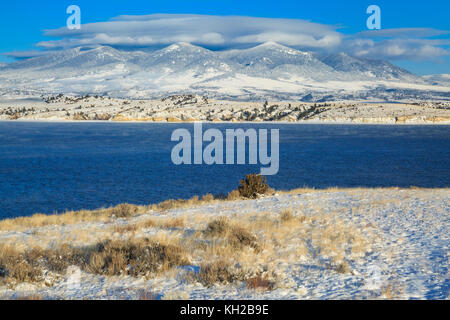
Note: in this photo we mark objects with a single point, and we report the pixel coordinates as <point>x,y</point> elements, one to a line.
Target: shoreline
<point>198,200</point>
<point>303,122</point>
<point>193,108</point>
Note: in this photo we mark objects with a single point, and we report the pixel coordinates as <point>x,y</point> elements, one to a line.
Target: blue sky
<point>416,38</point>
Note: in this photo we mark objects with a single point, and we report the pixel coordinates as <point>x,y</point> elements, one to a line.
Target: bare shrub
<point>237,236</point>
<point>133,257</point>
<point>216,272</point>
<point>286,215</point>
<point>220,196</point>
<point>259,283</point>
<point>240,237</point>
<point>124,210</point>
<point>343,267</point>
<point>17,266</point>
<point>252,186</point>
<point>217,228</point>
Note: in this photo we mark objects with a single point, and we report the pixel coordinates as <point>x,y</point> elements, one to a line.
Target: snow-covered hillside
<point>393,244</point>
<point>269,70</point>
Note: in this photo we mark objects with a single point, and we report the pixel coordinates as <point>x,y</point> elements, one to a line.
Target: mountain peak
<point>179,45</point>
<point>271,45</point>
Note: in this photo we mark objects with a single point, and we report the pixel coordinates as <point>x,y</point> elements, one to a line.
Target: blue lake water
<point>52,167</point>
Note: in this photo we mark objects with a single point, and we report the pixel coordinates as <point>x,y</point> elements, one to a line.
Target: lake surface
<point>52,167</point>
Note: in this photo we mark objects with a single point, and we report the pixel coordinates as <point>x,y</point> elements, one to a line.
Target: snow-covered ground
<point>395,242</point>
<point>190,108</point>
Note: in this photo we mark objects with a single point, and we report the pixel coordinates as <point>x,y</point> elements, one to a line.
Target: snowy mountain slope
<point>368,68</point>
<point>273,61</point>
<point>267,70</point>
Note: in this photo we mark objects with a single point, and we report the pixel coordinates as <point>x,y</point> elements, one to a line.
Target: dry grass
<point>124,210</point>
<point>173,223</point>
<point>17,266</point>
<point>234,195</point>
<point>71,217</point>
<point>237,237</point>
<point>129,228</point>
<point>218,227</point>
<point>251,188</point>
<point>134,257</point>
<point>182,203</point>
<point>219,271</point>
<point>253,242</point>
<point>286,215</point>
<point>259,283</point>
<point>105,214</point>
<point>158,223</point>
<point>148,295</point>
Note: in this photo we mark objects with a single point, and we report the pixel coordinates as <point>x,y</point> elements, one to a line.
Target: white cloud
<point>404,33</point>
<point>226,32</point>
<point>399,49</point>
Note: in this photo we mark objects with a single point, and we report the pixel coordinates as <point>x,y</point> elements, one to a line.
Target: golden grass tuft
<point>134,257</point>
<point>286,215</point>
<point>218,227</point>
<point>237,236</point>
<point>216,272</point>
<point>16,266</point>
<point>124,210</point>
<point>234,195</point>
<point>182,203</point>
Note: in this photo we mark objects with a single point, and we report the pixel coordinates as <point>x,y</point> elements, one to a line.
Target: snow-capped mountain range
<point>267,71</point>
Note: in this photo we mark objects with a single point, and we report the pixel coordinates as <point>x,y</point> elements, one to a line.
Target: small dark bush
<point>252,186</point>
<point>220,196</point>
<point>237,236</point>
<point>216,272</point>
<point>124,210</point>
<point>240,237</point>
<point>218,227</point>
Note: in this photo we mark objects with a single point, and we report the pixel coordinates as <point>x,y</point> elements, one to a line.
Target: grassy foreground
<point>146,241</point>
